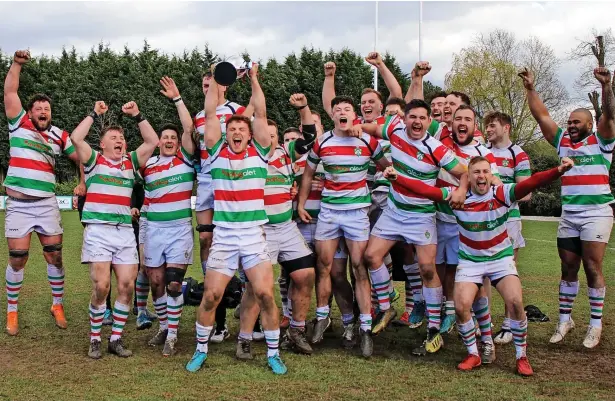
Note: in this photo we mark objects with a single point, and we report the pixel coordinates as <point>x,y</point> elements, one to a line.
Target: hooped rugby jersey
<point>512,163</point>
<point>345,160</point>
<point>415,159</point>
<point>586,185</point>
<point>109,186</point>
<point>168,188</point>
<point>312,203</point>
<point>280,178</point>
<point>32,156</point>
<point>239,185</point>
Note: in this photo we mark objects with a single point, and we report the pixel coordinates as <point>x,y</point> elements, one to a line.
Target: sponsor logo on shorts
<point>186,254</point>
<point>427,234</point>
<point>599,236</point>
<point>13,229</point>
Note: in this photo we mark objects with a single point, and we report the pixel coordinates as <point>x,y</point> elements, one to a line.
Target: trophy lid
<point>225,73</point>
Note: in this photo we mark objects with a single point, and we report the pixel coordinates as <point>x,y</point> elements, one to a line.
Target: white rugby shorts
<point>204,193</point>
<point>232,246</point>
<point>308,230</point>
<point>168,244</point>
<point>350,224</point>
<point>448,243</point>
<point>514,233</point>
<point>109,243</point>
<point>285,242</point>
<point>415,229</point>
<point>589,225</point>
<point>24,216</point>
<point>475,272</point>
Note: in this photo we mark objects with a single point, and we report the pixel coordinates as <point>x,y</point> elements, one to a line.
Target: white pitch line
<point>554,242</point>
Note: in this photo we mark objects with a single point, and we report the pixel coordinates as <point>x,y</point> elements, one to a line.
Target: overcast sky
<point>268,29</point>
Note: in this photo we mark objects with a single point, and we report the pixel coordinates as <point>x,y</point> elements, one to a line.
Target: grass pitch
<point>45,363</point>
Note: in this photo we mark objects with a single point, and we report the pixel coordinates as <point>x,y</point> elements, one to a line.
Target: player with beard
<point>169,240</point>
<point>587,217</point>
<point>108,237</point>
<point>284,240</point>
<point>465,148</point>
<point>30,185</point>
<point>204,195</point>
<point>485,249</point>
<point>442,126</point>
<point>343,211</point>
<point>514,167</point>
<point>410,218</point>
<point>239,163</point>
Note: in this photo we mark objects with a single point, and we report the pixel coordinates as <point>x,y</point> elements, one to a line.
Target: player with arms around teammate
<point>587,217</point>
<point>343,213</point>
<point>169,178</point>
<point>410,218</point>
<point>108,237</point>
<point>239,171</point>
<point>485,249</point>
<point>514,167</point>
<point>30,186</point>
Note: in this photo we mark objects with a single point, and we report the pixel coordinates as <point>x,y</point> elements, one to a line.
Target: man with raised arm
<point>514,167</point>
<point>410,218</point>
<point>225,109</point>
<point>587,218</point>
<point>284,240</point>
<point>30,186</point>
<point>239,172</point>
<point>485,249</point>
<point>169,178</point>
<point>343,213</point>
<point>108,237</point>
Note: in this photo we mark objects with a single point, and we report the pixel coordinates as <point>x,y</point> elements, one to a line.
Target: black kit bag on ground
<point>193,292</point>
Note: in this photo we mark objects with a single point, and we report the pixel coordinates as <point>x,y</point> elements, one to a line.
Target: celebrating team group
<point>416,179</point>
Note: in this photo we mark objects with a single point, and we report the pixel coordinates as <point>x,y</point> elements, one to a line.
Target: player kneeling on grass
<point>169,178</point>
<point>108,237</point>
<point>239,171</point>
<point>485,249</point>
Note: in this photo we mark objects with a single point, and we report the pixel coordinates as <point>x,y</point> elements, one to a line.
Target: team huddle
<point>408,181</point>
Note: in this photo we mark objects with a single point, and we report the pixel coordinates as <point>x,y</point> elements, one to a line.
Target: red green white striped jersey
<point>586,185</point>
<point>312,203</point>
<point>223,113</point>
<point>239,185</point>
<point>168,188</point>
<point>512,162</point>
<point>280,178</point>
<point>445,179</point>
<point>345,160</point>
<point>415,159</point>
<point>32,156</point>
<point>372,170</point>
<point>482,224</point>
<point>109,188</point>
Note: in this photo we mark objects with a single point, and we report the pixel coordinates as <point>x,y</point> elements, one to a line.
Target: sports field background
<point>45,363</point>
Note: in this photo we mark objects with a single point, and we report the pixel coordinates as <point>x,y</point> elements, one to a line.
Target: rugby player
<point>587,218</point>
<point>225,109</point>
<point>239,170</point>
<point>168,244</point>
<point>514,167</point>
<point>485,249</point>
<point>409,218</point>
<point>284,240</point>
<point>108,237</point>
<point>30,186</point>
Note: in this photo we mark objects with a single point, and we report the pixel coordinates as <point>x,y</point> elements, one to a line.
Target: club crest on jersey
<point>122,167</point>
<point>282,160</point>
<point>420,155</point>
<point>504,163</point>
<point>223,118</point>
<point>357,151</point>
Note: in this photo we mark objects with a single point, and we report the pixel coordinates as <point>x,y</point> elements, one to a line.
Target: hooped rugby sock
<point>416,283</point>
<point>483,316</point>
<point>142,290</point>
<point>380,284</point>
<point>272,338</point>
<point>468,335</point>
<point>55,276</point>
<point>14,280</point>
<point>120,315</point>
<point>96,318</point>
<point>174,307</point>
<point>568,291</point>
<point>596,304</point>
<point>519,331</point>
<point>160,305</point>
<point>433,301</point>
<point>202,337</point>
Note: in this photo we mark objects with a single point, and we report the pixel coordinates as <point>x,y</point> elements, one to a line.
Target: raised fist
<point>329,69</point>
<point>374,59</point>
<point>169,89</point>
<point>603,75</point>
<point>100,108</point>
<point>420,69</point>
<point>390,173</point>
<point>130,109</point>
<point>528,78</point>
<point>253,73</point>
<point>298,100</point>
<point>21,57</point>
<point>566,164</point>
